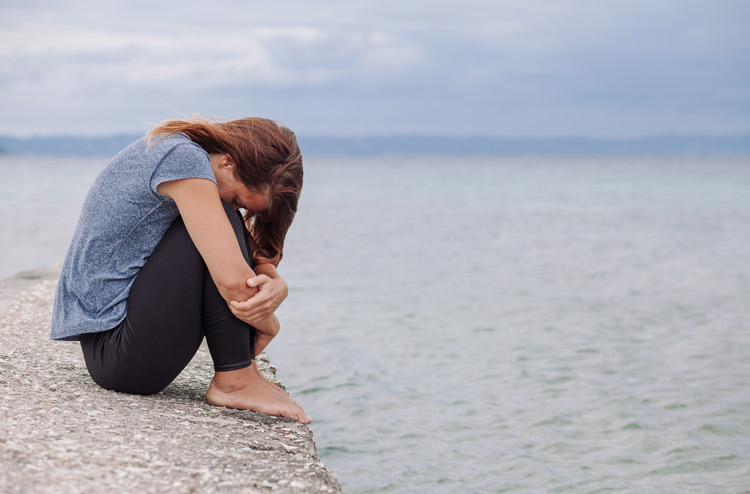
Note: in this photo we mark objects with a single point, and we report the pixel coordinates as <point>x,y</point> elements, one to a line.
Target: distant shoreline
<point>423,145</point>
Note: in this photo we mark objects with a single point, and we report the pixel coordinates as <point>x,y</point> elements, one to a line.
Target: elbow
<point>235,290</point>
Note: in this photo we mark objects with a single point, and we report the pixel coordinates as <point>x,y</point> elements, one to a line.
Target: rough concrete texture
<point>61,433</point>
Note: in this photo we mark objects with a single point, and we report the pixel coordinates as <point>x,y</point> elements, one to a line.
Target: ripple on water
<point>560,326</point>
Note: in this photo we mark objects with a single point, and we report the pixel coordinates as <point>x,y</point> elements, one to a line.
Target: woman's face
<point>232,190</point>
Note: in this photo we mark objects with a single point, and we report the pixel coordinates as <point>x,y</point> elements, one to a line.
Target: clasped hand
<point>271,292</point>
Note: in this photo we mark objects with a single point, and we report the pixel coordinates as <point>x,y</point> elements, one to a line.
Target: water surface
<point>498,325</point>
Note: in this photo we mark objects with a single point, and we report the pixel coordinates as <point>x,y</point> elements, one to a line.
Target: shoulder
<point>178,158</point>
<point>145,153</point>
<point>179,151</point>
<point>174,144</point>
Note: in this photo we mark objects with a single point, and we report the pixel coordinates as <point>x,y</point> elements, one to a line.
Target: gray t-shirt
<point>122,220</point>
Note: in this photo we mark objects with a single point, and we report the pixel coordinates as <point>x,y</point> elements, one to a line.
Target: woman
<point>161,258</point>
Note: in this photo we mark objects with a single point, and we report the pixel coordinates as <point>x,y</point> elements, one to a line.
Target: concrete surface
<point>61,433</point>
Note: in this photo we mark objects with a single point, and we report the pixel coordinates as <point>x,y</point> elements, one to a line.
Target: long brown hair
<point>267,158</point>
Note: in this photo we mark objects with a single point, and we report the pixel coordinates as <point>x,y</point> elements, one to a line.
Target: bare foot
<point>255,369</point>
<point>277,389</point>
<point>247,390</point>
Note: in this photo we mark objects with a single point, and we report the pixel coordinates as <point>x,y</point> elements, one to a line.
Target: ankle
<point>228,381</point>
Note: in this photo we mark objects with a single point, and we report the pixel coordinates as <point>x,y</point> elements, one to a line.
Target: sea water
<point>477,324</point>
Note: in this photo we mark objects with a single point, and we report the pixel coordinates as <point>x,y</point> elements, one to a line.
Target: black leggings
<point>172,305</point>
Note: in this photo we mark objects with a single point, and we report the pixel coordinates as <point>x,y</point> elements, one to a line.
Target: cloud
<point>197,57</point>
<point>352,66</point>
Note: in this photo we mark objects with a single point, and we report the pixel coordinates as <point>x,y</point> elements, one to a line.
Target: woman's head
<point>266,159</point>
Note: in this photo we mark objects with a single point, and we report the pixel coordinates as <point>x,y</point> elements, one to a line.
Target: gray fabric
<point>122,220</point>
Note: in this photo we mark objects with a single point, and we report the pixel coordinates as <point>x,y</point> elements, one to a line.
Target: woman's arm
<point>265,331</point>
<point>272,290</point>
<point>209,229</point>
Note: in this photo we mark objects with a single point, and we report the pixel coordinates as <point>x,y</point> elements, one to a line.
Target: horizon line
<point>397,135</point>
<point>432,145</point>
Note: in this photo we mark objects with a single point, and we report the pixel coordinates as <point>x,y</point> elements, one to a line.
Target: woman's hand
<point>258,310</point>
<point>262,305</point>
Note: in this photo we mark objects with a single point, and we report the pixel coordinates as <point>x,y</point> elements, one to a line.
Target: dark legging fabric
<point>172,305</point>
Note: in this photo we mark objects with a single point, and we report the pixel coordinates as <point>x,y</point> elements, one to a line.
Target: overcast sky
<point>614,68</point>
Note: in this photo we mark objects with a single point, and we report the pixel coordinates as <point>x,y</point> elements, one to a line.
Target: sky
<point>504,68</point>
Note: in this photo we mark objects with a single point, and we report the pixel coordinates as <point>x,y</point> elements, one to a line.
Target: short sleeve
<point>185,160</point>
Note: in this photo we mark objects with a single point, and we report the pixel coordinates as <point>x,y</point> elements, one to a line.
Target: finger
<point>238,313</point>
<point>256,313</point>
<point>254,317</point>
<point>256,281</point>
<point>250,303</point>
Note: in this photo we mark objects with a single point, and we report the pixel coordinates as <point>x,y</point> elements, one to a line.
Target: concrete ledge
<point>61,433</point>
